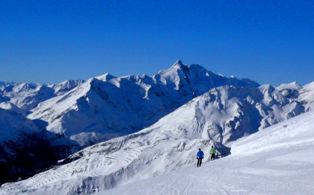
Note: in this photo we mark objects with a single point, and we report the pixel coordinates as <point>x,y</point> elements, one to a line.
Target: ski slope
<point>276,160</point>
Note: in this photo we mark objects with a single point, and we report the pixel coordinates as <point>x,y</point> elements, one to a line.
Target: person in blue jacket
<point>199,157</point>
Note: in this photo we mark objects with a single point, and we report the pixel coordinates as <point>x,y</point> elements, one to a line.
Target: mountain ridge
<point>152,97</point>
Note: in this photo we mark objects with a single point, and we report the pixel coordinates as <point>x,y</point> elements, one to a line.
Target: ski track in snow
<point>261,174</point>
<point>78,169</point>
<point>278,160</point>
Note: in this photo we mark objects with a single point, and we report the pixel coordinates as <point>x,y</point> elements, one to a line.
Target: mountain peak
<point>292,85</point>
<point>105,77</point>
<point>178,63</point>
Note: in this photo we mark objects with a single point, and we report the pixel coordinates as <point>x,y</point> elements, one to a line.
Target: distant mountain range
<point>106,106</point>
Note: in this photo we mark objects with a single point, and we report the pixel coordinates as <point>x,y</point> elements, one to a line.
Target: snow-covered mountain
<point>27,96</point>
<point>26,147</point>
<point>307,95</point>
<point>12,124</point>
<point>16,100</point>
<point>6,105</point>
<point>65,86</point>
<point>219,117</point>
<point>179,109</point>
<point>106,106</point>
<point>25,144</point>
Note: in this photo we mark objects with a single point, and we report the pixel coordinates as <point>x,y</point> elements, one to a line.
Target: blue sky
<point>53,40</point>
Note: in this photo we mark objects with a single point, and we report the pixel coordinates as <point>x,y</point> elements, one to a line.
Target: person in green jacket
<point>212,153</point>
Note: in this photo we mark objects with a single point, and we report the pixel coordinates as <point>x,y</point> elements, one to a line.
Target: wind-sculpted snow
<point>218,117</point>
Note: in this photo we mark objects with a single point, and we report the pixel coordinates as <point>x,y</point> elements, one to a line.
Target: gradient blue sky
<point>270,41</point>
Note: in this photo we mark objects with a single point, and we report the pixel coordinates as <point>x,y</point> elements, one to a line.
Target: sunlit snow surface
<point>276,160</point>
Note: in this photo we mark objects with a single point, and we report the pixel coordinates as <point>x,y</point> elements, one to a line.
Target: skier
<point>212,153</point>
<point>199,157</point>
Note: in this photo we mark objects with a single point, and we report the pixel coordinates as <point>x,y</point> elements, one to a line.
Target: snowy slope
<point>108,106</point>
<point>65,86</point>
<point>220,116</point>
<point>12,124</point>
<point>277,160</point>
<point>26,147</point>
<point>16,100</point>
<point>6,105</point>
<point>307,95</point>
